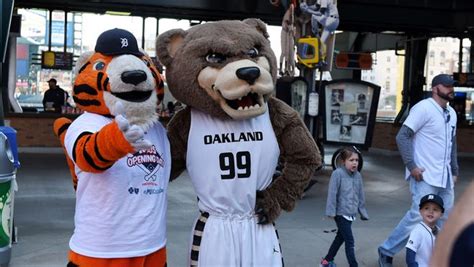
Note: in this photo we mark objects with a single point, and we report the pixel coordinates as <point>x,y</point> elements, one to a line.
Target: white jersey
<point>228,161</point>
<point>422,242</point>
<point>434,130</point>
<point>121,212</point>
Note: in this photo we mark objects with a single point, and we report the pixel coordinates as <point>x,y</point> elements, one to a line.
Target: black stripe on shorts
<point>281,252</point>
<point>197,237</point>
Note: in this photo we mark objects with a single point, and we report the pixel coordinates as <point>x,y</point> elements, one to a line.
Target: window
<point>387,85</point>
<point>82,30</point>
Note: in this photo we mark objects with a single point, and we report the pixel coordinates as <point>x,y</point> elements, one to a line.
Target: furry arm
<point>96,152</point>
<point>178,132</point>
<point>299,156</point>
<point>60,127</point>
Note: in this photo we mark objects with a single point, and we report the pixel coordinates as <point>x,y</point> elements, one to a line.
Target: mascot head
<point>225,68</point>
<point>118,71</point>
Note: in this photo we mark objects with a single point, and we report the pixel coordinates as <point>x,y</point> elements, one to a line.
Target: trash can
<point>11,135</point>
<point>7,184</point>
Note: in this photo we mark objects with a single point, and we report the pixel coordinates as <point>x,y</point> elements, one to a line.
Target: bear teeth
<point>249,107</point>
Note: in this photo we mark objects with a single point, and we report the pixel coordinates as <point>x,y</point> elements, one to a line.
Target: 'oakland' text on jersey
<point>233,137</point>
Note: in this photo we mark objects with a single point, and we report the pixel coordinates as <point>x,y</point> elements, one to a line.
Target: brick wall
<point>34,132</point>
<point>385,132</point>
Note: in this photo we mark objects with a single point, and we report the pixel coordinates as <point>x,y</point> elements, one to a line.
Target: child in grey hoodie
<point>345,199</point>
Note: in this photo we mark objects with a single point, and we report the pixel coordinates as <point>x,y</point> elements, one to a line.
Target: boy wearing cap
<point>427,144</point>
<point>422,239</point>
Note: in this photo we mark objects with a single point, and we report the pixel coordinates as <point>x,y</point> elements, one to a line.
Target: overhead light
<point>117,13</point>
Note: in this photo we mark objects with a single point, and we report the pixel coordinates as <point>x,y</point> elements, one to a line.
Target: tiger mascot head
<point>118,71</point>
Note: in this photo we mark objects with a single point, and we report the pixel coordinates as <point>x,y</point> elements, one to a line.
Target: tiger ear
<point>82,60</point>
<point>143,52</point>
<point>167,45</point>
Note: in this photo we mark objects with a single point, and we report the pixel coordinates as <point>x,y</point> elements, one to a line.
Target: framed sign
<point>294,92</point>
<point>56,60</point>
<point>349,110</point>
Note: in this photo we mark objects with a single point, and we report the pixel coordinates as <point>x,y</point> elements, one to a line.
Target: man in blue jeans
<point>427,144</point>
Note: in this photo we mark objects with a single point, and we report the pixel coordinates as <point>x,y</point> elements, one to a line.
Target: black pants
<point>344,235</point>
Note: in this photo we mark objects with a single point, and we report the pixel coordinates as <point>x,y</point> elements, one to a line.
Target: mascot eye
<point>253,52</point>
<point>99,65</point>
<point>215,58</point>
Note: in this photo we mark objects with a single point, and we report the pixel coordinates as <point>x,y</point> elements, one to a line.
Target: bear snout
<point>248,74</point>
<point>133,76</point>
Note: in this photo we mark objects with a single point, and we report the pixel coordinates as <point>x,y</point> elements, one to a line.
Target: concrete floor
<point>44,210</point>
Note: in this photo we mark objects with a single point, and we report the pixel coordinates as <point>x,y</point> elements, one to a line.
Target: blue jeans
<point>344,235</point>
<point>399,236</point>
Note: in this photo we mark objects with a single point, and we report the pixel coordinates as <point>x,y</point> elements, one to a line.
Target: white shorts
<point>234,241</point>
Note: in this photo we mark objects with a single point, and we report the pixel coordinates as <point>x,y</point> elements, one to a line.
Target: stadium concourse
<point>44,210</point>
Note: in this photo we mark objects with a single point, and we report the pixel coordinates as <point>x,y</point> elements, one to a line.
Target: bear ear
<point>167,44</point>
<point>259,25</point>
<point>82,60</point>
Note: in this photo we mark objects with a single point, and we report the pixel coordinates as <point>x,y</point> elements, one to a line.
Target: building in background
<point>387,72</point>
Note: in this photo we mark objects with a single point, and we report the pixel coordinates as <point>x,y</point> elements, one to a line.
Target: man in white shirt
<point>427,144</point>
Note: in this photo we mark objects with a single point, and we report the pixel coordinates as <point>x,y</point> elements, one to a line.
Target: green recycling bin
<point>7,182</point>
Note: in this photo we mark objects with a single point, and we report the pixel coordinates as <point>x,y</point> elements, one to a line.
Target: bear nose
<point>133,76</point>
<point>249,74</point>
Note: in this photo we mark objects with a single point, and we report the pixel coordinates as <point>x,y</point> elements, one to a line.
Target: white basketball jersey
<point>229,160</point>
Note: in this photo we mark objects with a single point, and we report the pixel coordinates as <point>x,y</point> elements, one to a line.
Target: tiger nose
<point>249,74</point>
<point>133,76</point>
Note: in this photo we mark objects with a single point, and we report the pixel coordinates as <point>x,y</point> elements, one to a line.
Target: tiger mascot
<point>119,157</point>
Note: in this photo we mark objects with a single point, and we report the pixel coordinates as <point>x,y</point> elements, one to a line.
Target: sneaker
<point>325,263</point>
<point>384,260</point>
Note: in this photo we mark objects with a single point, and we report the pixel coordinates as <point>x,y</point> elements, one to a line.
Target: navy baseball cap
<point>434,199</point>
<point>444,79</point>
<point>117,42</point>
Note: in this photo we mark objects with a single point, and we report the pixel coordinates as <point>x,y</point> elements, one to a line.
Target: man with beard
<point>427,144</point>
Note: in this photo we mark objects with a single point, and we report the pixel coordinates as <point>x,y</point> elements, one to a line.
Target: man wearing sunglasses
<point>427,144</point>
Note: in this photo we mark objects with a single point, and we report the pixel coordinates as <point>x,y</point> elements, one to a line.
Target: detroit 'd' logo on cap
<point>124,42</point>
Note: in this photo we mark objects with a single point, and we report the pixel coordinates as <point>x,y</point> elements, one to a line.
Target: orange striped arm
<point>96,152</point>
<point>60,128</point>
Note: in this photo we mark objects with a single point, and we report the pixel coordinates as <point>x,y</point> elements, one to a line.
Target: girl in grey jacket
<point>345,199</point>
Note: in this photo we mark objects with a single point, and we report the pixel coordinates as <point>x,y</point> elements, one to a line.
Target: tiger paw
<point>133,133</point>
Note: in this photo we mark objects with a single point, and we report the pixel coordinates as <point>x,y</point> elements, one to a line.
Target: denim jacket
<point>346,194</point>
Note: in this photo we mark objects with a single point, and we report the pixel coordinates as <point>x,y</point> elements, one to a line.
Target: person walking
<point>345,199</point>
<point>427,145</point>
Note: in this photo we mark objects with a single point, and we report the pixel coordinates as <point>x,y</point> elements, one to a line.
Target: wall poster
<point>350,108</point>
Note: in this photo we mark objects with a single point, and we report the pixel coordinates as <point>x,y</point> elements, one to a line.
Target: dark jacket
<point>57,96</point>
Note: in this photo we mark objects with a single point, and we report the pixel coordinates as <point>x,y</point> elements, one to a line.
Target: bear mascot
<point>119,157</point>
<point>230,138</point>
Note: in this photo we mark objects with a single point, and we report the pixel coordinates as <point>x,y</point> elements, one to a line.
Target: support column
<point>356,47</point>
<point>413,78</point>
<point>470,66</point>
